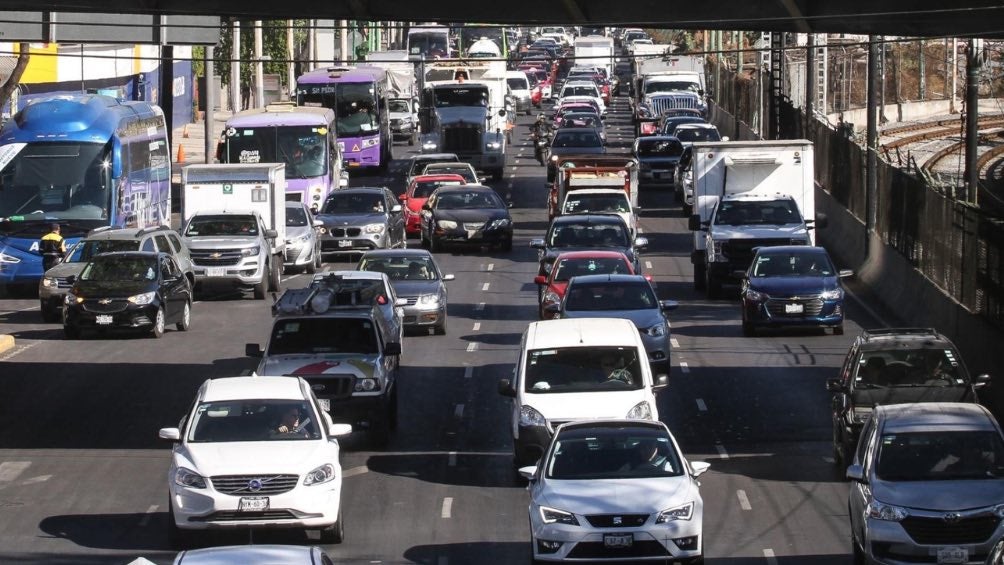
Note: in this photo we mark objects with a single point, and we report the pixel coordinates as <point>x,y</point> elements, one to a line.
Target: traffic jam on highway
<point>561,295</point>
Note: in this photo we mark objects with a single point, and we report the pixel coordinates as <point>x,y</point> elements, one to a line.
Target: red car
<point>560,111</point>
<point>417,193</point>
<point>574,263</point>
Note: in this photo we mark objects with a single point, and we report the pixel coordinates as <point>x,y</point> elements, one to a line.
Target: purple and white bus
<point>358,95</point>
<point>301,137</point>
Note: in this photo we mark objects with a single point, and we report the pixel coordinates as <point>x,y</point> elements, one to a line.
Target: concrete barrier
<point>6,343</point>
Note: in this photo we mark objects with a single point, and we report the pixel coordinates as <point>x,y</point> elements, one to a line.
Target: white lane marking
<point>674,343</point>
<point>291,277</point>
<point>453,459</point>
<point>485,286</point>
<point>19,349</point>
<point>829,460</point>
<point>744,501</point>
<point>468,372</point>
<point>458,412</point>
<point>36,480</point>
<point>472,346</point>
<point>514,167</point>
<point>480,306</point>
<point>491,267</point>
<point>145,520</point>
<point>515,161</point>
<point>648,264</point>
<point>721,451</point>
<point>684,367</point>
<point>11,470</point>
<point>447,507</point>
<point>701,405</point>
<point>768,554</point>
<point>477,326</point>
<point>355,471</point>
<point>640,230</point>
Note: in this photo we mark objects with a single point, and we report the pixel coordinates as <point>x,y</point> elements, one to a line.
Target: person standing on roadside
<point>53,247</point>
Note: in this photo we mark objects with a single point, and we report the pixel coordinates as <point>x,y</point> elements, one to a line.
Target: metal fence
<point>954,244</point>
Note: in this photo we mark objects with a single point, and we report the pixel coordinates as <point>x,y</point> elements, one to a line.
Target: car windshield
<point>253,420</point>
<point>222,225</point>
<point>582,369</point>
<point>690,135</point>
<point>910,367</point>
<point>517,83</point>
<point>580,120</point>
<point>742,213</point>
<point>612,453</point>
<point>323,335</point>
<point>117,269</point>
<point>579,91</point>
<point>296,217</point>
<point>354,203</point>
<point>404,268</point>
<point>659,148</point>
<point>588,235</point>
<point>569,138</point>
<point>424,188</point>
<point>398,106</point>
<point>666,86</point>
<point>568,268</point>
<point>940,456</point>
<point>419,163</point>
<point>87,249</point>
<point>794,264</point>
<point>468,201</point>
<point>597,204</point>
<point>447,169</point>
<point>607,295</point>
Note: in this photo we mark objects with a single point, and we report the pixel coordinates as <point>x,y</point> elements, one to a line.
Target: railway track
<point>958,146</point>
<point>938,130</point>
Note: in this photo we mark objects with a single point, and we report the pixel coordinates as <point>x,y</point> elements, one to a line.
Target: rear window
<point>517,83</point>
<point>660,147</point>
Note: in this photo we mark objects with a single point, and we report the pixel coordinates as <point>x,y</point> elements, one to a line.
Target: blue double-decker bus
<point>82,161</point>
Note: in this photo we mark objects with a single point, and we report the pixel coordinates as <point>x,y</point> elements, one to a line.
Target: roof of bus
<point>282,115</point>
<point>342,74</point>
<point>80,118</point>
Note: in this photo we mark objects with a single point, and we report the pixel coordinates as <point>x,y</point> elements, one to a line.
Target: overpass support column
<point>871,168</point>
<point>166,89</point>
<point>973,62</point>
<point>210,97</point>
<point>810,82</point>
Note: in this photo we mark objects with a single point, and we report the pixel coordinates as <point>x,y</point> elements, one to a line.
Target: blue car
<point>792,285</point>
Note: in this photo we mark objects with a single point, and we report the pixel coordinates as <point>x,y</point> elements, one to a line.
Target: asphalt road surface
<point>83,475</point>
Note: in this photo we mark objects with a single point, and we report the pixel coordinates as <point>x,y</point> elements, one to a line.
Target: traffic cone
<point>181,154</point>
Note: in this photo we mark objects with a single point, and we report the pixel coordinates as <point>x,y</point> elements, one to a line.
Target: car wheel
<point>158,324</point>
<point>997,554</point>
<point>311,267</point>
<point>179,538</point>
<point>259,289</point>
<point>687,210</point>
<point>71,332</point>
<point>440,329</point>
<point>49,315</point>
<point>859,554</point>
<point>274,276</point>
<point>699,276</point>
<point>335,533</point>
<point>186,318</point>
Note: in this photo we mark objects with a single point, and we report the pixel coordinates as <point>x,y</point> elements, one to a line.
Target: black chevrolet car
<point>132,290</point>
<point>465,215</point>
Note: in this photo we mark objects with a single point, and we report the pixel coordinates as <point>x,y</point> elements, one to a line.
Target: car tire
<point>859,554</point>
<point>687,210</point>
<point>159,324</point>
<point>260,290</point>
<point>311,267</point>
<point>440,329</point>
<point>185,323</point>
<point>699,276</point>
<point>274,276</point>
<point>49,315</point>
<point>71,332</point>
<point>335,533</point>
<point>997,554</point>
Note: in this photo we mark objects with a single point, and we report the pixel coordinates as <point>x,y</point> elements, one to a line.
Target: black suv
<point>128,290</point>
<point>895,366</point>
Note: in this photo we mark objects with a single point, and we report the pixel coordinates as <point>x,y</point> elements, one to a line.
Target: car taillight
<point>648,128</point>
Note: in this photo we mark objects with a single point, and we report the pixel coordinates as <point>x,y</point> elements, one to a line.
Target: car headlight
<point>429,146</point>
<point>188,478</point>
<point>756,295</point>
<point>658,330</point>
<point>375,228</point>
<point>428,299</point>
<point>551,297</point>
<point>552,515</point>
<point>528,416</point>
<point>446,224</point>
<point>886,512</point>
<point>682,512</point>
<point>73,298</point>
<point>49,282</point>
<point>493,146</point>
<point>367,385</point>
<point>142,299</point>
<point>320,475</point>
<point>250,252</point>
<point>835,294</point>
<point>8,259</point>
<point>499,223</point>
<point>641,411</point>
<point>371,142</point>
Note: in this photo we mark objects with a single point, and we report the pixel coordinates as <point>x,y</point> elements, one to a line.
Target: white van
<point>519,88</point>
<point>577,369</point>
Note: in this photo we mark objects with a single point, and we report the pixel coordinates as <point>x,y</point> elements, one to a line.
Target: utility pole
<point>290,67</point>
<point>955,73</point>
<point>810,81</point>
<point>871,170</point>
<point>922,70</point>
<point>343,39</point>
<point>259,79</point>
<point>235,68</point>
<point>974,61</point>
<point>882,65</point>
<point>210,97</point>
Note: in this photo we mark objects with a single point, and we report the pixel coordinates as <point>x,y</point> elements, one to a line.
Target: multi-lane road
<point>83,475</point>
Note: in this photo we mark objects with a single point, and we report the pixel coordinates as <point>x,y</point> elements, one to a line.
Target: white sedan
<point>255,452</point>
<point>615,490</point>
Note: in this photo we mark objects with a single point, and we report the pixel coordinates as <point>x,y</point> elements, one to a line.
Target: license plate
<point>325,404</point>
<point>103,320</point>
<point>253,504</point>
<point>216,272</point>
<point>618,540</point>
<point>793,308</point>
<point>953,555</point>
<point>345,243</point>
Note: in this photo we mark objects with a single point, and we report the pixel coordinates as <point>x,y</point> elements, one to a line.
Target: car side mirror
<point>401,302</point>
<point>661,382</point>
<point>173,434</point>
<point>641,242</point>
<point>339,430</point>
<point>698,468</point>
<point>271,234</point>
<point>845,273</point>
<point>392,348</point>
<point>528,473</point>
<point>537,243</point>
<point>395,209</point>
<point>856,473</point>
<point>981,381</point>
<point>540,279</point>
<point>725,138</point>
<point>318,224</point>
<point>253,350</point>
<point>450,277</point>
<point>834,385</point>
<point>667,305</point>
<point>694,223</point>
<point>505,388</point>
<point>482,180</point>
<point>741,275</point>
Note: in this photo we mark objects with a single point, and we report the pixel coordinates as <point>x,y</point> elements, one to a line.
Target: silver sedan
<point>417,279</point>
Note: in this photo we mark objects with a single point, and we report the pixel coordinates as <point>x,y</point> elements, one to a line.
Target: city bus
<point>358,95</point>
<point>429,41</point>
<point>302,137</point>
<point>469,34</point>
<point>83,162</point>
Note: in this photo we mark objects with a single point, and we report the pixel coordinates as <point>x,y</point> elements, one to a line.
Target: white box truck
<point>749,194</point>
<point>597,51</point>
<point>234,223</point>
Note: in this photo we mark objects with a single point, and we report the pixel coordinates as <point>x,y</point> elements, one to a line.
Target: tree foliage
<point>273,47</point>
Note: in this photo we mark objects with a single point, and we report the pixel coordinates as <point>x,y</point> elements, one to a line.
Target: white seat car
<point>616,490</point>
<point>255,452</point>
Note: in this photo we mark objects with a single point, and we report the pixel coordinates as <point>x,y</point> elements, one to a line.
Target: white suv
<point>255,452</point>
<point>577,369</point>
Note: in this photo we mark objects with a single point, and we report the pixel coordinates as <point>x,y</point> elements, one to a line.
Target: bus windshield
<point>428,43</point>
<point>356,109</point>
<point>301,148</point>
<point>55,181</point>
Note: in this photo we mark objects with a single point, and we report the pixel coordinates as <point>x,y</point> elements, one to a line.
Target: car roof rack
<point>899,331</point>
<point>331,292</point>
